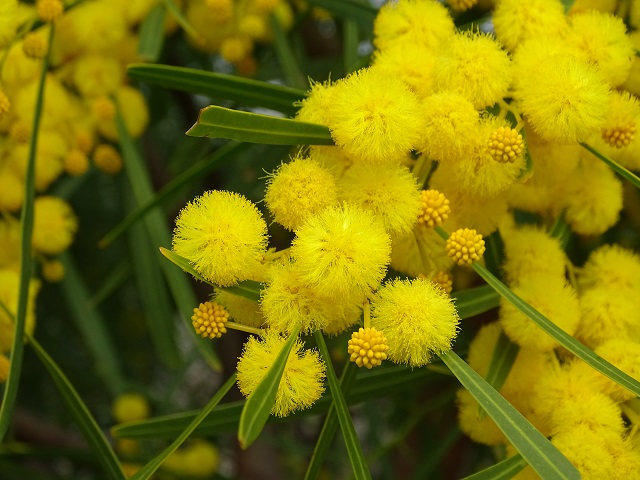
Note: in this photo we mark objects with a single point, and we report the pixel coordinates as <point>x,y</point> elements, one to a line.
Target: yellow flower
<point>506,145</point>
<point>76,163</point>
<point>462,5</point>
<point>435,208</point>
<point>49,10</point>
<point>242,310</point>
<point>53,271</point>
<point>5,104</point>
<point>342,252</point>
<point>223,235</point>
<point>315,108</point>
<point>54,225</point>
<point>301,383</point>
<point>407,258</point>
<point>209,320</point>
<point>96,75</point>
<point>612,266</point>
<point>9,288</point>
<point>367,347</point>
<point>5,365</point>
<point>107,159</point>
<point>412,62</point>
<point>35,45</point>
<point>236,49</point>
<point>129,407</point>
<point>134,110</point>
<point>479,429</point>
<point>418,319</point>
<point>444,281</point>
<point>9,17</point>
<point>620,126</point>
<point>465,246</point>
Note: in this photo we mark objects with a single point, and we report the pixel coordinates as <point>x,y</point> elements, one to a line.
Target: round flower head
<point>623,354</point>
<point>315,108</point>
<point>51,151</point>
<point>223,235</point>
<point>242,310</point>
<point>474,66</point>
<point>479,429</point>
<point>341,252</point>
<point>515,21</point>
<point>9,20</point>
<point>299,189</point>
<point>209,320</point>
<point>412,21</point>
<point>54,225</point>
<point>565,99</point>
<point>406,256</point>
<point>367,347</point>
<point>49,10</point>
<point>9,288</point>
<point>553,298</point>
<point>462,5</point>
<point>435,208</point>
<point>389,192</point>
<point>107,159</point>
<point>612,266</point>
<point>589,451</point>
<point>53,271</point>
<point>301,383</point>
<point>505,145</point>
<point>450,124</point>
<point>418,319</point>
<point>444,281</point>
<point>602,39</point>
<point>129,407</point>
<point>135,113</point>
<point>412,62</point>
<point>76,163</point>
<point>465,246</point>
<point>376,119</point>
<point>620,126</point>
<point>96,75</point>
<point>35,45</point>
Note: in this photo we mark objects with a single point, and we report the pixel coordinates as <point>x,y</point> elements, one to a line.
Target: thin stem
<point>244,328</point>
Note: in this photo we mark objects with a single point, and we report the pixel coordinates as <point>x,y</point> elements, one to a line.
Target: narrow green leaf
<point>476,300</point>
<point>26,229</point>
<point>331,424</point>
<point>362,13</point>
<point>153,293</point>
<point>561,230</point>
<point>354,449</point>
<point>494,254</point>
<point>181,20</point>
<point>567,5</point>
<point>208,164</point>
<point>158,229</point>
<point>220,122</point>
<point>539,452</point>
<point>245,91</point>
<point>288,62</point>
<point>567,341</point>
<point>145,472</point>
<point>81,415</point>
<point>350,46</point>
<point>151,35</point>
<point>615,166</point>
<point>504,354</point>
<point>91,325</point>
<point>259,404</point>
<point>113,280</point>
<point>504,470</point>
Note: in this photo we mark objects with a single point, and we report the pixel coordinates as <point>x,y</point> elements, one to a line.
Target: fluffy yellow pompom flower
<point>602,39</point>
<point>525,246</point>
<point>209,320</point>
<point>623,354</point>
<point>96,75</point>
<point>552,297</point>
<point>107,159</point>
<point>315,108</point>
<point>390,192</point>
<point>135,113</point>
<point>620,126</point>
<point>53,271</point>
<point>9,18</point>
<point>376,119</point>
<point>479,429</point>
<point>222,10</point>
<point>418,319</point>
<point>515,21</point>
<point>235,49</point>
<point>565,99</point>
<point>342,252</point>
<point>76,163</point>
<point>450,124</point>
<point>465,246</point>
<point>49,10</point>
<point>462,5</point>
<point>474,66</point>
<point>20,131</point>
<point>413,62</point>
<point>9,288</point>
<point>367,347</point>
<point>4,368</point>
<point>589,451</point>
<point>412,21</point>
<point>435,208</point>
<point>406,256</point>
<point>34,45</point>
<point>223,235</point>
<point>301,383</point>
<point>242,310</point>
<point>129,407</point>
<point>612,266</point>
<point>299,189</point>
<point>54,225</point>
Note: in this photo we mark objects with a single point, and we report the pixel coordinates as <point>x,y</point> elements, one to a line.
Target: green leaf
<point>354,449</point>
<point>158,229</point>
<point>567,5</point>
<point>476,300</point>
<point>113,280</point>
<point>615,166</point>
<point>220,122</point>
<point>92,327</point>
<point>26,230</point>
<point>81,415</point>
<point>259,404</point>
<point>561,230</point>
<point>248,289</point>
<point>152,34</point>
<point>504,354</point>
<point>286,57</point>
<point>208,164</point>
<point>331,424</point>
<point>180,19</point>
<point>567,341</point>
<point>361,13</point>
<point>494,254</point>
<point>351,42</point>
<point>145,472</point>
<point>244,91</point>
<point>539,452</point>
<point>504,470</point>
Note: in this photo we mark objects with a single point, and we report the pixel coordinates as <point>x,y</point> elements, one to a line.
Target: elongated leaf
<point>494,254</point>
<point>504,354</point>
<point>158,230</point>
<point>286,58</point>
<point>350,46</point>
<point>354,449</point>
<point>152,34</point>
<point>503,470</point>
<point>92,327</point>
<point>248,289</point>
<point>615,166</point>
<point>544,457</point>
<point>26,219</point>
<point>259,404</point>
<point>81,415</point>
<point>380,383</point>
<point>180,19</point>
<point>245,91</point>
<point>208,164</point>
<point>359,12</point>
<point>145,472</point>
<point>561,231</point>
<point>220,122</point>
<point>476,300</point>
<point>330,426</point>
